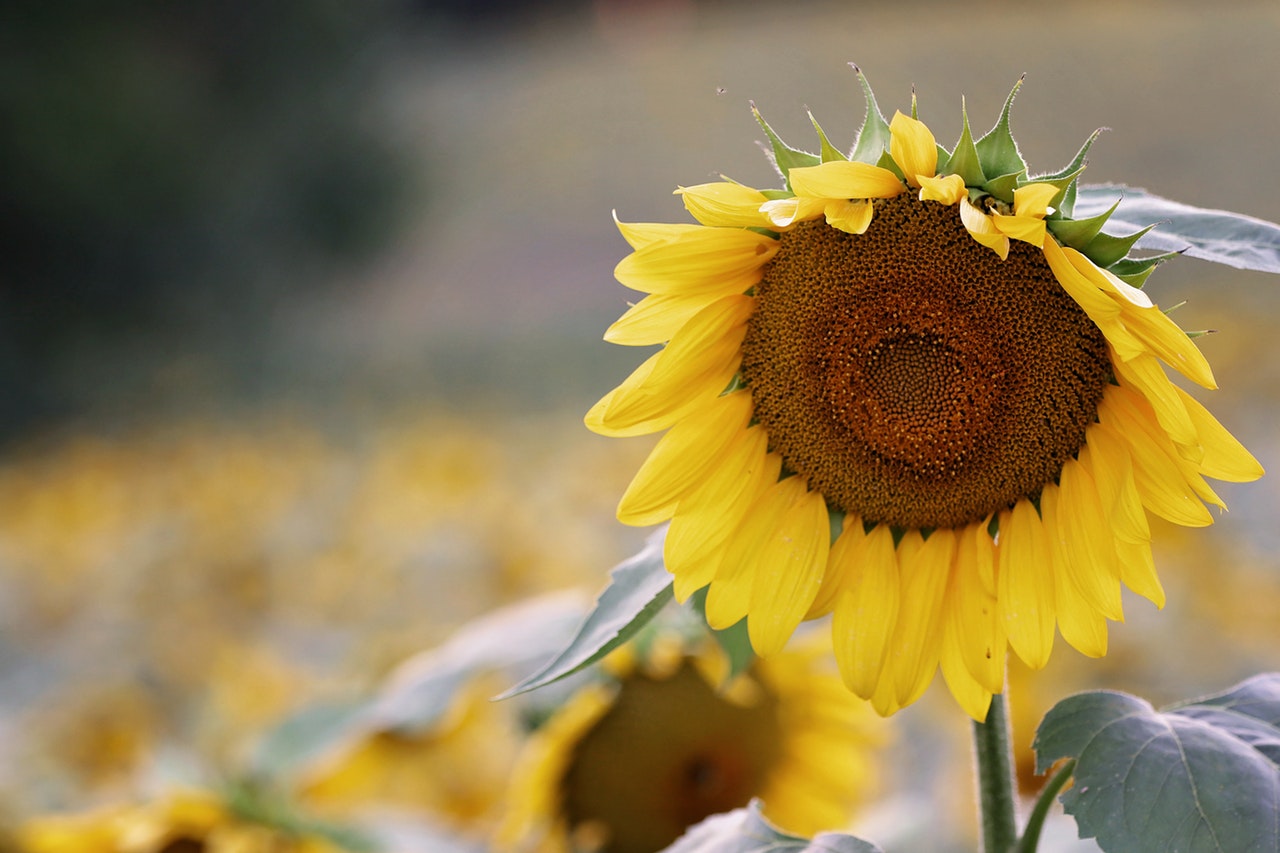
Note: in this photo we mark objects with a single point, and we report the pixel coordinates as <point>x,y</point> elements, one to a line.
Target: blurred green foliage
<point>175,168</point>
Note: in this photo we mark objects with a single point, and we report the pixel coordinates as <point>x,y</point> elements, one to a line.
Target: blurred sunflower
<point>186,822</point>
<point>453,771</point>
<point>625,766</point>
<point>911,390</point>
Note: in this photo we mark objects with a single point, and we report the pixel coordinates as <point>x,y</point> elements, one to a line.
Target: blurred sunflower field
<point>301,317</point>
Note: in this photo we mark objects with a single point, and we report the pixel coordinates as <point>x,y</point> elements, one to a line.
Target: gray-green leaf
<point>746,831</point>
<point>418,693</point>
<point>1220,236</point>
<point>638,588</point>
<point>1199,776</point>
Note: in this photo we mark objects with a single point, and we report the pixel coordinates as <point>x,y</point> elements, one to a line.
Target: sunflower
<point>627,764</point>
<point>911,391</point>
<point>181,822</point>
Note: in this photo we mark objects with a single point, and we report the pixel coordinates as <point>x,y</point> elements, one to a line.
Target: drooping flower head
<point>910,390</point>
<point>628,763</point>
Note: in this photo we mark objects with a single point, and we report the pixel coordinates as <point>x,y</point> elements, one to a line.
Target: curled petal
<point>947,189</point>
<point>725,203</point>
<point>845,179</point>
<point>983,229</point>
<point>913,147</point>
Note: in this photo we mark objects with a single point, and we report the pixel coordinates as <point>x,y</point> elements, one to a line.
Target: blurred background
<point>301,305</point>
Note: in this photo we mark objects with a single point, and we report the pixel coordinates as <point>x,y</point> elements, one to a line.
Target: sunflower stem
<point>991,743</point>
<point>1031,835</point>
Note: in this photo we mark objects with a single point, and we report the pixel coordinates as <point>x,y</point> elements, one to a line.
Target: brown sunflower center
<point>912,376</point>
<point>666,755</point>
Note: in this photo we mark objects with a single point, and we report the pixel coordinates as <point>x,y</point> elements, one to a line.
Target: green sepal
<point>1104,249</point>
<point>785,158</point>
<point>964,159</point>
<point>1134,271</point>
<point>1066,205</point>
<point>1002,187</point>
<point>1079,233</point>
<point>887,162</point>
<point>873,137</point>
<point>828,152</point>
<point>997,150</point>
<point>773,195</point>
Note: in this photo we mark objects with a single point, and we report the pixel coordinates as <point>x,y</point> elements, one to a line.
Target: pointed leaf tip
<point>638,588</point>
<point>873,136</point>
<point>997,149</point>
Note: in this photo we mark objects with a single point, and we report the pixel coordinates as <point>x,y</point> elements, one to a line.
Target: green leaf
<point>1199,776</point>
<point>964,159</point>
<point>638,588</point>
<point>997,150</point>
<point>785,158</point>
<point>873,138</point>
<point>829,151</point>
<point>1220,236</point>
<point>746,831</point>
<point>422,689</point>
<point>733,640</point>
<point>303,738</point>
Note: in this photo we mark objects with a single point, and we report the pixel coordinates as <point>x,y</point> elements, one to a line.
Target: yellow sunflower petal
<point>789,568</point>
<point>1142,320</point>
<point>594,418</point>
<point>1112,471</point>
<point>655,319</point>
<point>707,260</point>
<point>1145,376</point>
<point>974,626</point>
<point>866,611</point>
<point>1026,584</point>
<point>1078,620</point>
<point>851,217</point>
<point>729,596</point>
<point>682,459</point>
<point>706,519</point>
<point>972,696</point>
<point>1033,199</point>
<point>913,147</point>
<point>1102,310</point>
<point>1225,458</point>
<point>641,234</point>
<point>983,229</point>
<point>845,179</point>
<point>1160,483</point>
<point>947,189</point>
<point>924,575</point>
<point>725,203</point>
<point>1084,532</point>
<point>785,212</point>
<point>1028,229</point>
<point>697,365</point>
<point>839,566</point>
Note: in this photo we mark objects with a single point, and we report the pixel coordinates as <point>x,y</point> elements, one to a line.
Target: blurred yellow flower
<point>625,766</point>
<point>187,822</point>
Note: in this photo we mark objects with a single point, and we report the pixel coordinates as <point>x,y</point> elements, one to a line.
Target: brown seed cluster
<point>911,375</point>
<point>669,753</point>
